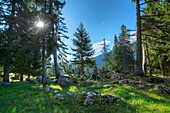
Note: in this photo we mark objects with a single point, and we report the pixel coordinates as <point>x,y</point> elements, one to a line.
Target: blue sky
<point>101,18</point>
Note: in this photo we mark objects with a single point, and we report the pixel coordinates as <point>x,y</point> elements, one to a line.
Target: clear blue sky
<point>101,18</point>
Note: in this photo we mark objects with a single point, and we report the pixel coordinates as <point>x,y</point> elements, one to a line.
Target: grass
<point>25,98</point>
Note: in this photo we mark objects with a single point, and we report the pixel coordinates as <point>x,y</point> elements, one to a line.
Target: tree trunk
<point>162,65</point>
<point>169,67</point>
<point>7,59</point>
<point>144,59</point>
<point>29,75</point>
<point>138,70</point>
<point>57,73</point>
<point>149,61</point>
<point>43,59</point>
<point>55,36</point>
<point>43,50</point>
<point>21,77</point>
<point>6,69</point>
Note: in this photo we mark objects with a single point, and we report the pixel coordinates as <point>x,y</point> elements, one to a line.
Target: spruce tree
<point>106,54</point>
<point>123,57</point>
<point>83,50</point>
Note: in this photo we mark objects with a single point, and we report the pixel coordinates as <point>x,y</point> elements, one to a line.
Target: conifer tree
<point>83,50</point>
<point>123,58</point>
<point>106,54</point>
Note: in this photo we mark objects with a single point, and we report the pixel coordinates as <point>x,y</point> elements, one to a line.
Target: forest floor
<point>24,97</point>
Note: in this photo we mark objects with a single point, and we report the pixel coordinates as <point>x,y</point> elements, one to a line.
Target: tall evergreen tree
<point>138,67</point>
<point>83,48</point>
<point>123,58</point>
<point>7,20</point>
<point>155,30</point>
<point>106,54</point>
<point>58,29</point>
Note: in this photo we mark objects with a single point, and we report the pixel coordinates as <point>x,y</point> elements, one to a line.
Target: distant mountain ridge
<point>99,60</point>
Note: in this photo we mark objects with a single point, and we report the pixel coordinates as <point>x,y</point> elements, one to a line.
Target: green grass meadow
<point>24,97</point>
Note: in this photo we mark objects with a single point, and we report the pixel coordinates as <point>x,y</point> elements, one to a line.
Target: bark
<point>43,59</point>
<point>6,69</point>
<point>21,77</point>
<point>82,66</point>
<point>43,51</point>
<point>149,61</point>
<point>162,66</point>
<point>144,59</point>
<point>55,36</point>
<point>29,75</point>
<point>57,73</point>
<point>7,58</point>
<point>169,67</point>
<point>138,70</point>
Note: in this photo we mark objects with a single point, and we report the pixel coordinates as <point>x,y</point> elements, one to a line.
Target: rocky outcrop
<point>60,96</point>
<point>94,97</point>
<point>163,89</point>
<point>86,83</point>
<point>66,80</point>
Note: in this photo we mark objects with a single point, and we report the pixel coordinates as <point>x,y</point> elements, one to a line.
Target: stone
<point>47,79</point>
<point>40,88</point>
<point>28,79</point>
<point>132,82</point>
<point>38,78</point>
<point>141,82</point>
<point>123,81</point>
<point>82,92</point>
<point>163,89</point>
<point>70,93</point>
<point>88,101</point>
<point>6,83</point>
<point>92,97</point>
<point>99,86</point>
<point>107,86</point>
<point>48,89</point>
<point>157,80</point>
<point>66,80</point>
<point>86,83</point>
<point>56,91</point>
<point>60,96</point>
<point>149,85</point>
<point>141,86</point>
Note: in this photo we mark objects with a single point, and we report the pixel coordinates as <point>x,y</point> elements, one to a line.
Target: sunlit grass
<point>56,87</point>
<point>26,98</point>
<point>73,88</point>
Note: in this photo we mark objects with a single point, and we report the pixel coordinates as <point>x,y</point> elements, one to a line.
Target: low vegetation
<point>24,97</point>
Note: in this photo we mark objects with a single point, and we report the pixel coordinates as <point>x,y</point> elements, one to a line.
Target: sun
<point>40,24</point>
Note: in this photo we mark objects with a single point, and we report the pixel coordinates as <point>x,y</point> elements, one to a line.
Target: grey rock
<point>123,81</point>
<point>132,82</point>
<point>48,89</point>
<point>60,96</point>
<point>6,83</point>
<point>86,83</point>
<point>28,79</point>
<point>149,85</point>
<point>40,88</point>
<point>107,86</point>
<point>46,80</point>
<point>141,86</point>
<point>56,91</point>
<point>66,80</point>
<point>38,78</point>
<point>82,92</point>
<point>99,86</point>
<point>88,101</point>
<point>70,93</point>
